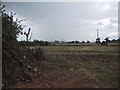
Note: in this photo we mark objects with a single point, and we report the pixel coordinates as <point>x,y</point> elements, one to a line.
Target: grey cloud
<point>64,21</point>
<point>100,24</point>
<point>109,26</point>
<point>114,20</point>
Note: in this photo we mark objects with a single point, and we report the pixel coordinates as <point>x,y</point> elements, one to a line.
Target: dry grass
<point>97,62</point>
<point>77,48</point>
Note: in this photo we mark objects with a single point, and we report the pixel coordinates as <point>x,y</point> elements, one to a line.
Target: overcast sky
<point>67,21</point>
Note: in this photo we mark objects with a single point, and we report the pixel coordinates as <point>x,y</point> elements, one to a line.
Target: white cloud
<point>114,20</point>
<point>109,26</point>
<point>113,34</point>
<point>116,8</point>
<point>100,24</point>
<point>106,7</point>
<point>105,21</point>
<point>115,25</point>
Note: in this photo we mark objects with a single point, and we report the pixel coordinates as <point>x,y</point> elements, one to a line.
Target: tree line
<point>34,43</point>
<point>47,43</point>
<point>106,41</point>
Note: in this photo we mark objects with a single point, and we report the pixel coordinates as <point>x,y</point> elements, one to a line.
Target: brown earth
<point>62,79</point>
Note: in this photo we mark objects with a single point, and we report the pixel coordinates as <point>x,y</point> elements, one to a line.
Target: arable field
<point>79,67</point>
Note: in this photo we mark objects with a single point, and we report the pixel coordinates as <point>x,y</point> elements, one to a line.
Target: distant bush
<point>88,41</point>
<point>34,43</point>
<point>83,42</point>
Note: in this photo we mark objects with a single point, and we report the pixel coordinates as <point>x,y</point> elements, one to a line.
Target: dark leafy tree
<point>118,40</point>
<point>88,41</point>
<point>76,41</point>
<point>114,41</point>
<point>36,42</point>
<point>72,41</point>
<point>46,43</point>
<point>83,42</point>
<point>107,39</point>
<point>105,43</point>
<point>10,31</point>
<point>98,40</point>
<point>56,41</point>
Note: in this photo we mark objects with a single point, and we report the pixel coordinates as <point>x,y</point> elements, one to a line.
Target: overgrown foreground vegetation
<point>17,61</point>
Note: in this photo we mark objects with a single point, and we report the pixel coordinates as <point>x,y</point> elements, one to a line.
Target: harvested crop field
<point>77,67</point>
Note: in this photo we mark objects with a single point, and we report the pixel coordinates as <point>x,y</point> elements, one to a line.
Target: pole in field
<point>98,39</point>
<point>97,34</point>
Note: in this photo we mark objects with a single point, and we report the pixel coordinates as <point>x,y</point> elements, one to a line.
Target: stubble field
<point>81,66</point>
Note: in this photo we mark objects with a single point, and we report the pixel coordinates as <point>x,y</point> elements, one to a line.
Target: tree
<point>114,41</point>
<point>88,41</point>
<point>105,42</point>
<point>10,31</point>
<point>107,39</point>
<point>46,43</point>
<point>36,42</point>
<point>118,40</point>
<point>76,41</point>
<point>98,40</point>
<point>83,42</point>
